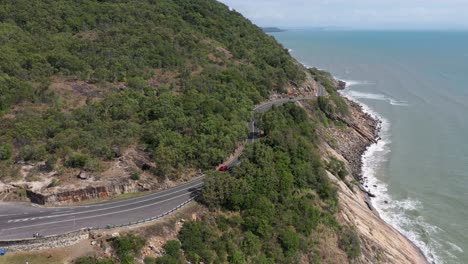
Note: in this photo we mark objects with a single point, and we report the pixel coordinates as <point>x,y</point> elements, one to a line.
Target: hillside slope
<point>166,86</point>
<point>156,90</point>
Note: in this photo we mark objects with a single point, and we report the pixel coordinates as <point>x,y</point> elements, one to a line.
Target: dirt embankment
<point>380,243</point>
<point>132,173</point>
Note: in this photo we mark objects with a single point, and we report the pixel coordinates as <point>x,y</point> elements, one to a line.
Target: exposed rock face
<point>353,142</point>
<point>93,192</point>
<point>380,243</point>
<point>341,85</point>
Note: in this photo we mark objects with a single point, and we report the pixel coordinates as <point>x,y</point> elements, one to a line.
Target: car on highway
<point>37,235</point>
<point>223,168</point>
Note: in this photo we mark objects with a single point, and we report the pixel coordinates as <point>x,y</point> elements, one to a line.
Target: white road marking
<point>101,209</point>
<point>93,216</point>
<point>10,214</point>
<point>129,199</point>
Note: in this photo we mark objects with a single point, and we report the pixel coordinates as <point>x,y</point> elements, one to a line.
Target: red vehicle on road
<point>223,168</point>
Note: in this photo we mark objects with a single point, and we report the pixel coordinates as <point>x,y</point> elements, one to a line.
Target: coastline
<point>363,182</point>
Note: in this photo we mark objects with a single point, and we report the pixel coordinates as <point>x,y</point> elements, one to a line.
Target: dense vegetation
<point>269,206</point>
<point>337,167</point>
<point>179,78</point>
<point>334,104</point>
<point>268,209</point>
<point>219,65</point>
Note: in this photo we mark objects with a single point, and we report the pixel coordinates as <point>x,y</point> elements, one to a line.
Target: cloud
<point>355,13</point>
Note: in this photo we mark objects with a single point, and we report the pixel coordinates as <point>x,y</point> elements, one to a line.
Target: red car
<point>223,168</point>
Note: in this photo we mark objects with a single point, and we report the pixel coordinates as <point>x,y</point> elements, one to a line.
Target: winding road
<point>21,221</point>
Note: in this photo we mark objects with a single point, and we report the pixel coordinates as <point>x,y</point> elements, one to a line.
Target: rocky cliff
<point>380,243</point>
<point>92,192</point>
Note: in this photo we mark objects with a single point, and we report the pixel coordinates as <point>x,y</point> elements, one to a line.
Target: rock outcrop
<point>351,143</point>
<point>380,242</point>
<point>93,192</point>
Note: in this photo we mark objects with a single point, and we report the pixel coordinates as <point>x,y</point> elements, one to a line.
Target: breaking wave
<point>397,213</point>
<point>372,96</point>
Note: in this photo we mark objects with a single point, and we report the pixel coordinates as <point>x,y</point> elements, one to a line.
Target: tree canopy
<point>178,77</point>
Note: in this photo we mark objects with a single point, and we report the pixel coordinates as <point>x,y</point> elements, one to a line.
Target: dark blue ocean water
<point>417,83</point>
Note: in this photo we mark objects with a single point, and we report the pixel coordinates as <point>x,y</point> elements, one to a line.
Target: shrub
<point>236,258</point>
<point>21,192</point>
<point>6,151</point>
<point>196,238</point>
<point>167,260</point>
<point>337,167</point>
<point>173,249</point>
<point>149,260</point>
<point>349,242</point>
<point>54,183</point>
<point>32,153</point>
<point>77,161</point>
<point>135,175</point>
<point>128,245</point>
<point>50,164</point>
<point>325,106</point>
<point>290,241</point>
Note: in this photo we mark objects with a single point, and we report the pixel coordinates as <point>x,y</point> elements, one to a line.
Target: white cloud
<point>356,13</point>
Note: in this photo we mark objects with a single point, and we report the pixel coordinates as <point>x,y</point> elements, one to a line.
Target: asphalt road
<point>18,221</point>
<point>21,221</point>
<point>321,90</point>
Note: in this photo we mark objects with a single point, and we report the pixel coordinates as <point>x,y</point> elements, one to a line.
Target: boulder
<point>341,85</point>
<point>83,175</point>
<point>144,186</point>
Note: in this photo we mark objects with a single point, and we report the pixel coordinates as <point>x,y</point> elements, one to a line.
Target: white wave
<point>370,96</point>
<point>455,247</point>
<point>399,103</point>
<point>350,83</point>
<point>391,210</point>
<point>374,96</point>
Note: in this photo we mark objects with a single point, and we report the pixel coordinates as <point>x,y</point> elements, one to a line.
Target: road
<point>21,221</point>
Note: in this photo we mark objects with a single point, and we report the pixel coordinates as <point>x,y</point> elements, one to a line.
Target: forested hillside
<point>82,81</point>
<point>177,77</point>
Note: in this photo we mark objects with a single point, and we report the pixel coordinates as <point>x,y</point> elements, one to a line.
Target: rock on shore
<point>380,242</point>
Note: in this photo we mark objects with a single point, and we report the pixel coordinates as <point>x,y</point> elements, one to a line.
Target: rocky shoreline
<point>381,241</point>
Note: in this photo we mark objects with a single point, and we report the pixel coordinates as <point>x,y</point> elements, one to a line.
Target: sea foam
<point>393,211</point>
<point>371,96</point>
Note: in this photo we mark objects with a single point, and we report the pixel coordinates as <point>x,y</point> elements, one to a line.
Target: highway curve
<point>21,221</point>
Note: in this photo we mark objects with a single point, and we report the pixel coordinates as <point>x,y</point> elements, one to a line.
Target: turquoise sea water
<point>417,83</point>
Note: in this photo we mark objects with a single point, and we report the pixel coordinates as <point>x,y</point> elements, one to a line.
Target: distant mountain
<point>272,29</point>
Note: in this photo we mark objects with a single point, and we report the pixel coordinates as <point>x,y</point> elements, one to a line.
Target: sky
<point>355,14</point>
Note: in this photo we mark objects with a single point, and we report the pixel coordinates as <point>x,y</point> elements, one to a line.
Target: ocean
<point>417,84</point>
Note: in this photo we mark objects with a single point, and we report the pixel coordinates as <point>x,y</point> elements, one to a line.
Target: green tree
<point>6,151</point>
<point>127,246</point>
